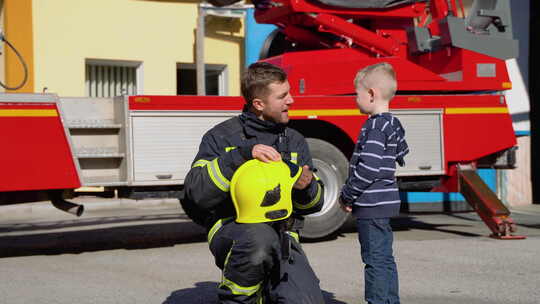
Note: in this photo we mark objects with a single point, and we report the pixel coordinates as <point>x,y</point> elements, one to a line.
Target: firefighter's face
<point>275,106</point>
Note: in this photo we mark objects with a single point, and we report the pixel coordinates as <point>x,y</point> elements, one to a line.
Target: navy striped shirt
<point>371,186</point>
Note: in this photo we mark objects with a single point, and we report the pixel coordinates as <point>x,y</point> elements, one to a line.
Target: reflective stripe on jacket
<point>226,147</point>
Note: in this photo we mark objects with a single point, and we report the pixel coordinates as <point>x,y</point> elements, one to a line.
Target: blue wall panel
<point>487,175</point>
<point>255,36</point>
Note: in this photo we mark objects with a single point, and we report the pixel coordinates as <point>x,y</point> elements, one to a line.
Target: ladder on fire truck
<point>303,21</point>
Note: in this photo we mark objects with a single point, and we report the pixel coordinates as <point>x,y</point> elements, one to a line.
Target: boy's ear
<point>371,93</point>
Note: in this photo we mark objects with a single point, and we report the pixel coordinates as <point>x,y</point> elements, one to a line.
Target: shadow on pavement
<point>202,293</point>
<point>406,223</point>
<point>533,226</point>
<point>140,236</point>
<point>410,223</point>
<point>163,230</point>
<point>205,293</point>
<point>329,298</point>
<point>85,222</point>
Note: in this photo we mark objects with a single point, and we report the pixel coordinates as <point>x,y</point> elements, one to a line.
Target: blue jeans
<point>380,271</point>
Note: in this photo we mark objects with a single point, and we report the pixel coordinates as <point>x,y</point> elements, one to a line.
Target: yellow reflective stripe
<point>215,175</point>
<point>294,235</point>
<point>294,157</point>
<point>227,149</point>
<point>240,290</point>
<point>313,202</point>
<point>355,112</point>
<point>200,163</point>
<point>316,177</point>
<point>216,227</point>
<point>326,112</point>
<point>235,288</point>
<point>28,113</point>
<point>494,110</point>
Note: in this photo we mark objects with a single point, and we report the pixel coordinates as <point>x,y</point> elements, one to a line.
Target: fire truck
<point>451,80</point>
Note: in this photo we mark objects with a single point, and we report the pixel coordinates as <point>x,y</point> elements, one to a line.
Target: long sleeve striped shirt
<point>371,186</point>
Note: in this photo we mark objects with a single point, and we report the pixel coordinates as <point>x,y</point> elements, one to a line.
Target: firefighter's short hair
<point>258,77</point>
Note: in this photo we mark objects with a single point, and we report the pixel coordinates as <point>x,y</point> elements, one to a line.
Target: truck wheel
<point>332,169</point>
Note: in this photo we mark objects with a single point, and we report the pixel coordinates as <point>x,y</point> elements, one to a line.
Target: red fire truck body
<point>48,162</point>
<point>450,100</point>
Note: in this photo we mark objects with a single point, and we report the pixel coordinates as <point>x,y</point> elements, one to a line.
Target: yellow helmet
<point>261,192</point>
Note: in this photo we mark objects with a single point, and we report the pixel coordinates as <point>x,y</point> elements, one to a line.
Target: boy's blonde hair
<point>381,76</point>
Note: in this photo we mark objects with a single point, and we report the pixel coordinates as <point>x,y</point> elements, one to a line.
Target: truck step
<point>93,124</point>
<point>102,152</point>
<point>112,180</point>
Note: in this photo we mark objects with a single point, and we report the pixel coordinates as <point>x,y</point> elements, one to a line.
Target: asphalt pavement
<point>125,251</point>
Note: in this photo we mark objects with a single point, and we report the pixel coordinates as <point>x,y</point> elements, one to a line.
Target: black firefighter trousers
<point>254,269</point>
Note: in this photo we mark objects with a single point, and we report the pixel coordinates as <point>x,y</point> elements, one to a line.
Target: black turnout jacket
<point>226,147</point>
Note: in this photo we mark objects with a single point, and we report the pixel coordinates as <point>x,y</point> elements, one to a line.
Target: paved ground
<point>148,252</point>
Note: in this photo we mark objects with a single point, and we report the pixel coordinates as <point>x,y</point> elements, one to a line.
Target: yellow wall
<point>158,33</point>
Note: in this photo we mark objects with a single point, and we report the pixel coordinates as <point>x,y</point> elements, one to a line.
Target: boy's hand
<point>344,207</point>
<point>265,153</point>
<point>305,179</point>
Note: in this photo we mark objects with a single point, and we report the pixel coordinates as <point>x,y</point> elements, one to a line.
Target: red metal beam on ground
<point>488,206</point>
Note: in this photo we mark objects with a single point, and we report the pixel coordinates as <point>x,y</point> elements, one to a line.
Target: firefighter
<point>260,259</point>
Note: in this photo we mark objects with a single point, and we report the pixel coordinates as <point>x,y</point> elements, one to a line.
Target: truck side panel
<point>35,152</point>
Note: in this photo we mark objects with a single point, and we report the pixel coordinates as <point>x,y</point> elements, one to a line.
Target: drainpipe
<point>205,9</point>
<point>199,52</point>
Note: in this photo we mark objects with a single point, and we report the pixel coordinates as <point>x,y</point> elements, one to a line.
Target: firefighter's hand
<point>305,179</point>
<point>265,153</point>
<point>344,207</point>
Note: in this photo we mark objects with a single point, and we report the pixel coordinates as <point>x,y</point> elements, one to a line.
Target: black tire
<point>332,168</point>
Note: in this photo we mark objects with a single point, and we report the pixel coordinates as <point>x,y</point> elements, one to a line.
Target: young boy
<point>370,191</point>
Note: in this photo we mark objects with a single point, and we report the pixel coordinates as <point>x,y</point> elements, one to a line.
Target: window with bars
<point>106,78</point>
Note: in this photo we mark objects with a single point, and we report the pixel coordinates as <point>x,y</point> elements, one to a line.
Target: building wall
<point>159,34</point>
<point>516,184</point>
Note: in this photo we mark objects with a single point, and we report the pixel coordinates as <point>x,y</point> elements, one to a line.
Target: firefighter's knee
<point>263,242</point>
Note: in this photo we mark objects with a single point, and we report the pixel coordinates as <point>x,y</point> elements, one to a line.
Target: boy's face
<point>275,106</point>
<point>364,99</point>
